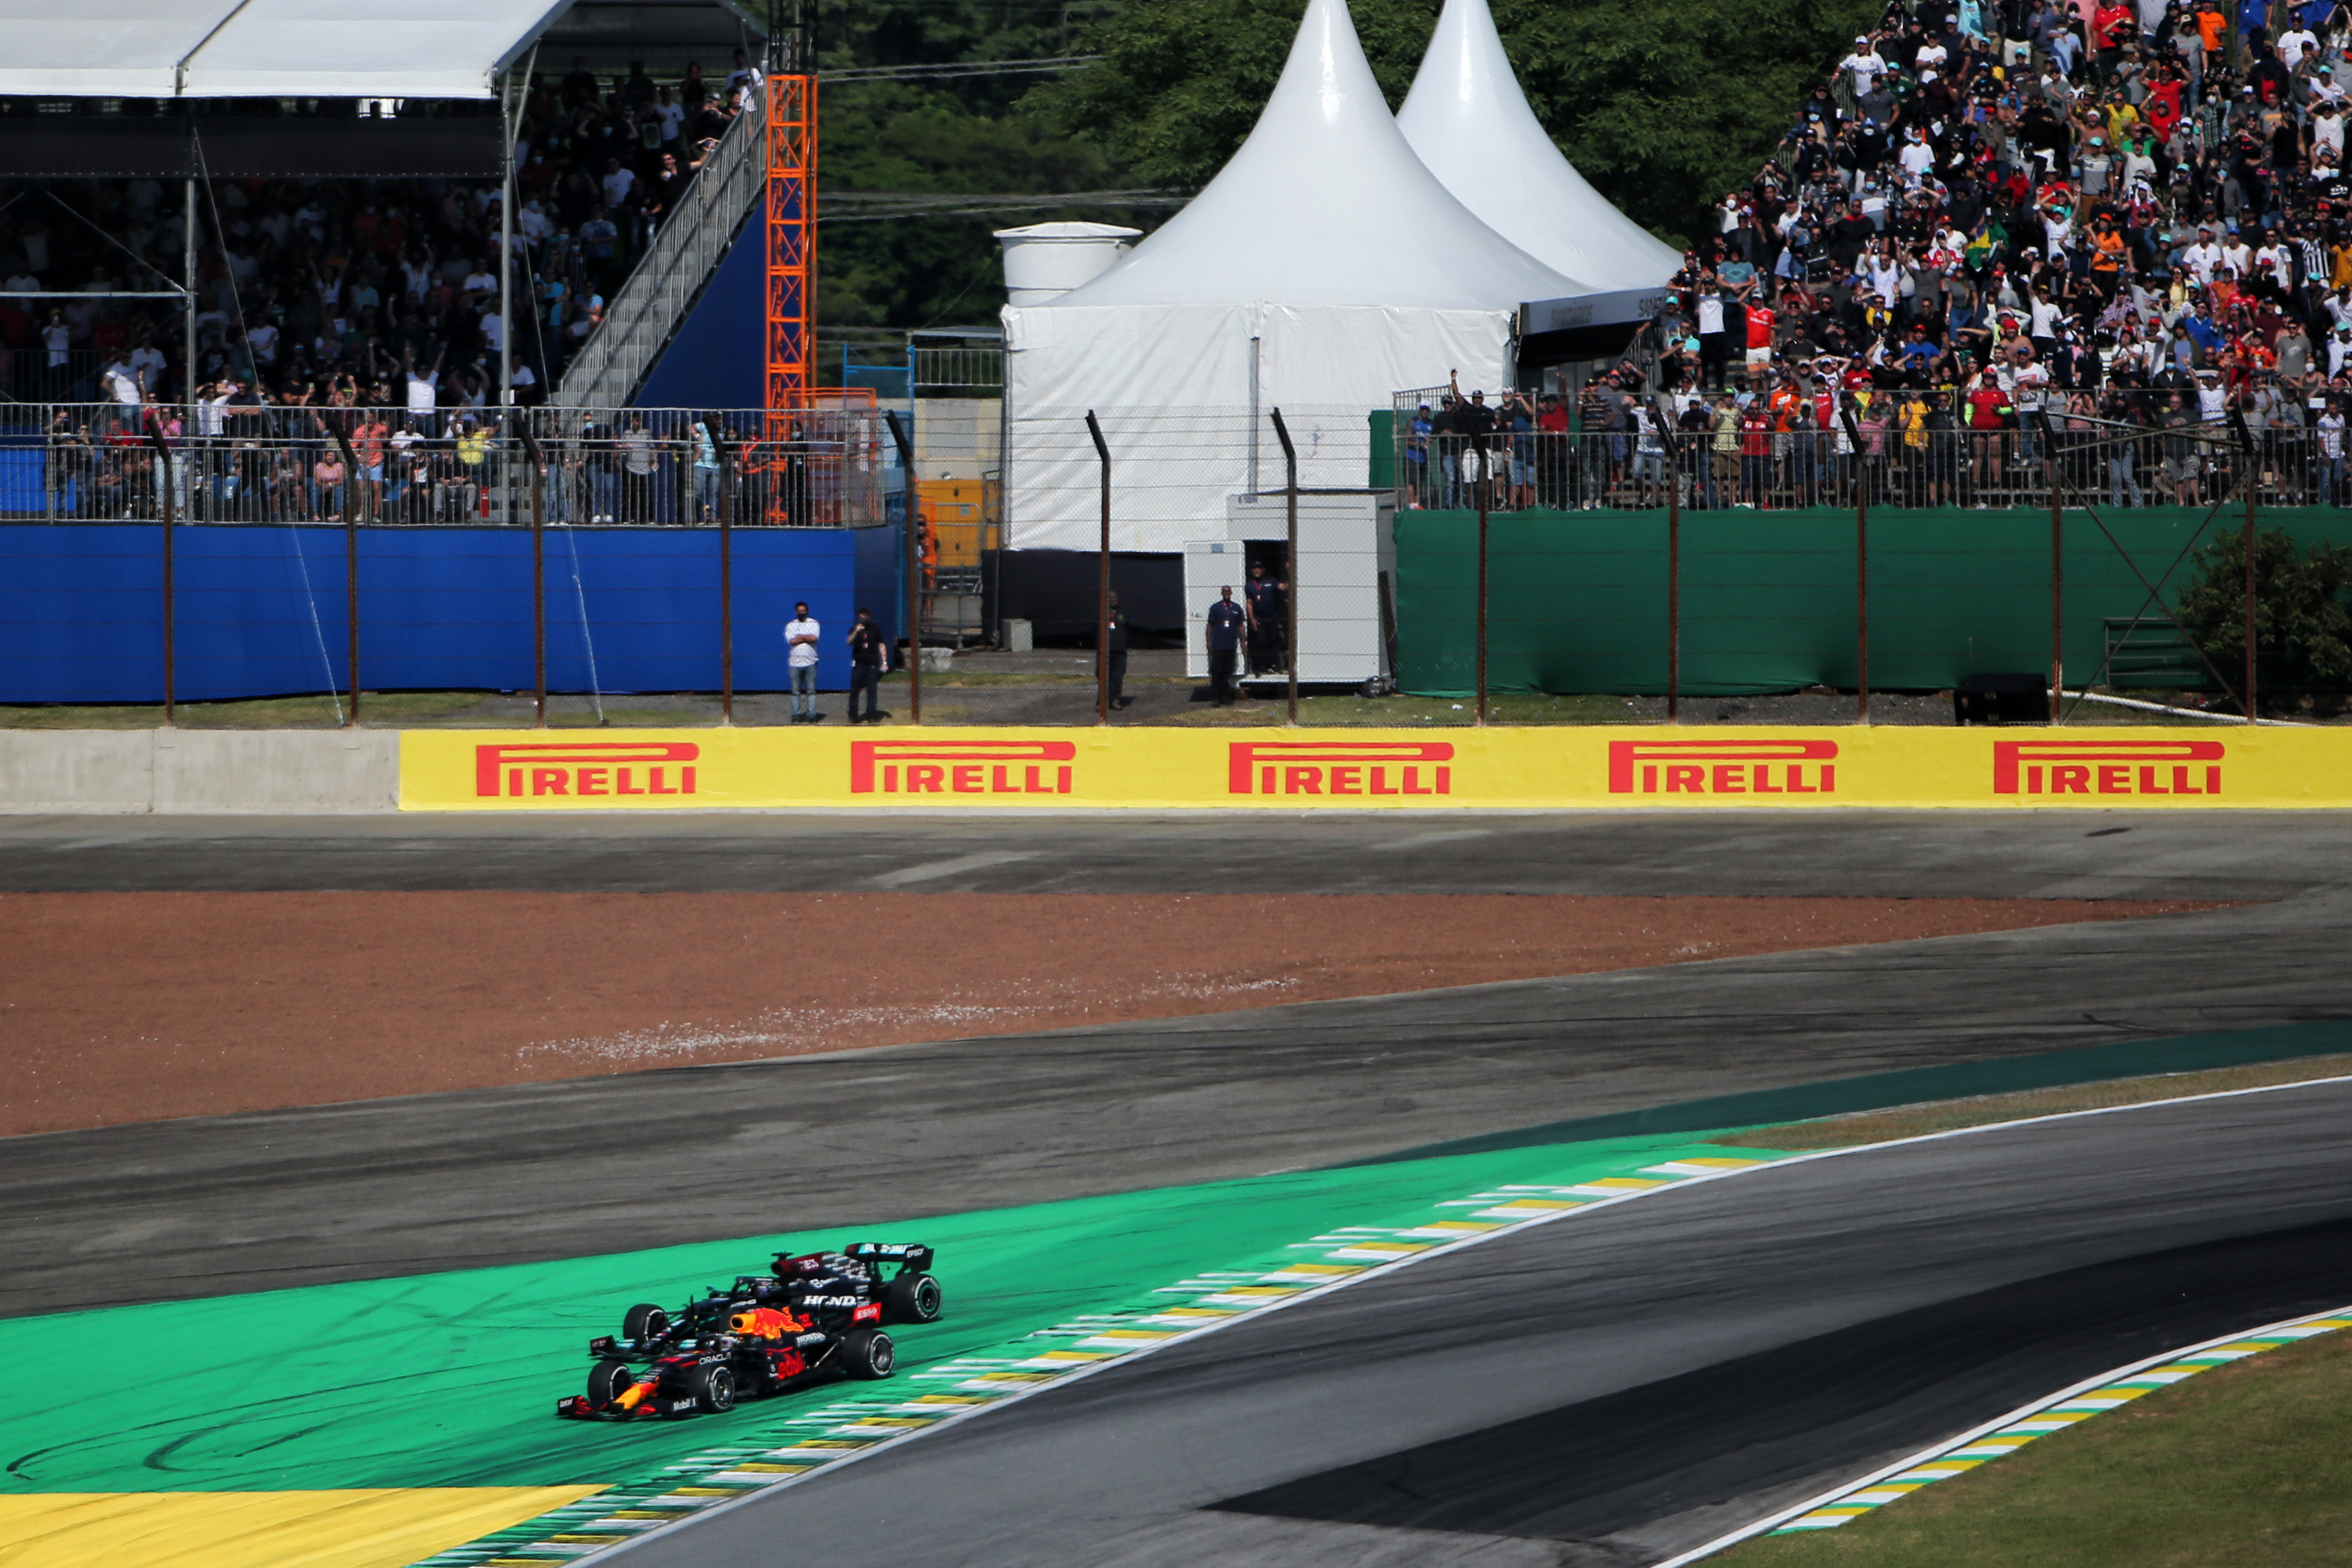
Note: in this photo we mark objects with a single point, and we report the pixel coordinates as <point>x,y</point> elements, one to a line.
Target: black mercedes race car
<point>826,1279</point>
<point>817,1318</point>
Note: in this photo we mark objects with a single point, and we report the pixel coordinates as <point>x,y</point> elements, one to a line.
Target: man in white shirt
<point>2292,46</point>
<point>616,183</point>
<point>424,389</point>
<point>2326,135</point>
<point>147,364</point>
<point>2239,258</point>
<point>121,383</point>
<point>1866,65</point>
<point>2212,398</point>
<point>801,634</point>
<point>2202,258</point>
<point>2324,88</point>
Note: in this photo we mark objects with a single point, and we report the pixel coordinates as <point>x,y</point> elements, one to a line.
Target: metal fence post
<point>1861,579</point>
<point>538,572</point>
<point>2057,566</point>
<point>914,511</point>
<point>1290,593</point>
<point>1477,448</point>
<point>1102,586</point>
<point>726,574</point>
<point>1674,567</point>
<point>2253,483</point>
<point>350,565</point>
<point>163,460</point>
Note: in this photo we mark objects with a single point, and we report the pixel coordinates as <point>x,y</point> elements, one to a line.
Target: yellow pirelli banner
<point>1349,770</point>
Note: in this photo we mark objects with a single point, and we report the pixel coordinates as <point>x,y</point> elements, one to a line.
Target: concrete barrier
<point>208,771</point>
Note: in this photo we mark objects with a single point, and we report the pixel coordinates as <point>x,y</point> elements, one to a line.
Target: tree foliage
<point>954,135</point>
<point>1663,104</point>
<point>2302,631</point>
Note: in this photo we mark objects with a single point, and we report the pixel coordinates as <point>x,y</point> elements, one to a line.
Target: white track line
<point>1975,1434</point>
<point>1380,1270</point>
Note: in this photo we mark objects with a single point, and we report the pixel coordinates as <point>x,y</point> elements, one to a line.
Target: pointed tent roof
<point>1471,124</point>
<point>1325,204</point>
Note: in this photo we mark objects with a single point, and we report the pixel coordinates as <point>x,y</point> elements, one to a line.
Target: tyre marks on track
<point>806,1439</point>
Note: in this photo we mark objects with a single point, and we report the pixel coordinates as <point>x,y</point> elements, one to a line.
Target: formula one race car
<point>818,1278</point>
<point>817,1318</point>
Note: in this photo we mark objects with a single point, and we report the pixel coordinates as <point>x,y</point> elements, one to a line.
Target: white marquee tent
<point>1471,124</point>
<point>1324,267</point>
<point>236,49</point>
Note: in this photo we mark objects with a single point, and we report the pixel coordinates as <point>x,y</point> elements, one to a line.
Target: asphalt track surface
<point>1613,1388</point>
<point>1944,854</point>
<point>176,1209</point>
<point>1517,1403</point>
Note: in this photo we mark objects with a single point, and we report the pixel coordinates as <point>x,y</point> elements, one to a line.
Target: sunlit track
<point>1989,1267</point>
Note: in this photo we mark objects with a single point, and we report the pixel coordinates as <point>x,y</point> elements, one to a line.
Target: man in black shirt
<point>1117,649</point>
<point>1268,623</point>
<point>867,656</point>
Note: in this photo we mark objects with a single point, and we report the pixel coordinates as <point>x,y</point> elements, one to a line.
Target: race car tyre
<point>608,1381</point>
<point>912,1299</point>
<point>643,1321</point>
<point>867,1353</point>
<point>714,1389</point>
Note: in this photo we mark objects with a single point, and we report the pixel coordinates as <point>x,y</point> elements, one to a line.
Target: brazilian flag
<point>1980,251</point>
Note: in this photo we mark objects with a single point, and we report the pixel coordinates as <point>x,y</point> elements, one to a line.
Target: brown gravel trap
<point>135,1007</point>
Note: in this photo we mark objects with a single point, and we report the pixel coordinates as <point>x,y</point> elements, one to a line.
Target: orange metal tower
<point>791,250</point>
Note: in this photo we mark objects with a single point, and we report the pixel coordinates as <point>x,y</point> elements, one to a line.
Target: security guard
<point>1227,621</point>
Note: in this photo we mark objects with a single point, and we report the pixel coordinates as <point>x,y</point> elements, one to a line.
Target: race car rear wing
<point>911,1257</point>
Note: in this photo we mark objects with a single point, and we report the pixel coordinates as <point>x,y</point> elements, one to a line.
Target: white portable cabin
<point>1345,578</point>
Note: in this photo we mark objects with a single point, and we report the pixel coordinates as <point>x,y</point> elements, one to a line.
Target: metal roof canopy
<point>267,48</point>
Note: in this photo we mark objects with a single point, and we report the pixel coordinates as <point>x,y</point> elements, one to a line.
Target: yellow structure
<point>961,517</point>
<point>1650,768</point>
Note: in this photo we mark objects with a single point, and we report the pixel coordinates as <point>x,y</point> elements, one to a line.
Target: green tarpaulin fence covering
<point>1577,600</point>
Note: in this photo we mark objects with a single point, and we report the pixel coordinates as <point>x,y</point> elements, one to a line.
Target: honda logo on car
<point>1340,767</point>
<point>575,768</point>
<point>960,767</point>
<point>2107,767</point>
<point>1722,767</point>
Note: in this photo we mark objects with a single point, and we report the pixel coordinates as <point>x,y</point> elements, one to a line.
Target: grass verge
<point>2247,1464</point>
<point>1945,1116</point>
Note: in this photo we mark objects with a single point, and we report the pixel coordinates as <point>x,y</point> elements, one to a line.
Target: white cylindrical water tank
<point>1047,260</point>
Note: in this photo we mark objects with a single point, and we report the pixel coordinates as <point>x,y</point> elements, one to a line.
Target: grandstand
<point>232,202</point>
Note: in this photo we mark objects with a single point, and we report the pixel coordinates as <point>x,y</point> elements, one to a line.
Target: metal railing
<point>40,374</point>
<point>610,367</point>
<point>652,468</point>
<point>1769,469</point>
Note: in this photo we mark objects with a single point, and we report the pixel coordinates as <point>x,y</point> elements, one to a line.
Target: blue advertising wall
<point>262,611</point>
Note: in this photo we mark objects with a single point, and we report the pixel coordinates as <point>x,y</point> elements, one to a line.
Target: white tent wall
<point>1172,386</point>
<point>1325,238</point>
<point>1467,119</point>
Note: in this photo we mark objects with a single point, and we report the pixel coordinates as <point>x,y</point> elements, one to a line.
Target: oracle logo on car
<point>1722,767</point>
<point>2107,767</point>
<point>576,768</point>
<point>960,767</point>
<point>1339,767</point>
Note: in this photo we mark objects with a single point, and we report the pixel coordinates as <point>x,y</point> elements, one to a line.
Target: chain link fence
<point>643,566</point>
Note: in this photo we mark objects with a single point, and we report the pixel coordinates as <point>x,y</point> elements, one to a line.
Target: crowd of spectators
<point>2005,220</point>
<point>317,293</point>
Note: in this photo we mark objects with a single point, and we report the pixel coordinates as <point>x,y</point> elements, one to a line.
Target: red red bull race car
<point>815,1318</point>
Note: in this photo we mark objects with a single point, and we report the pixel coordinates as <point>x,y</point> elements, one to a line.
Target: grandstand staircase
<point>646,313</point>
